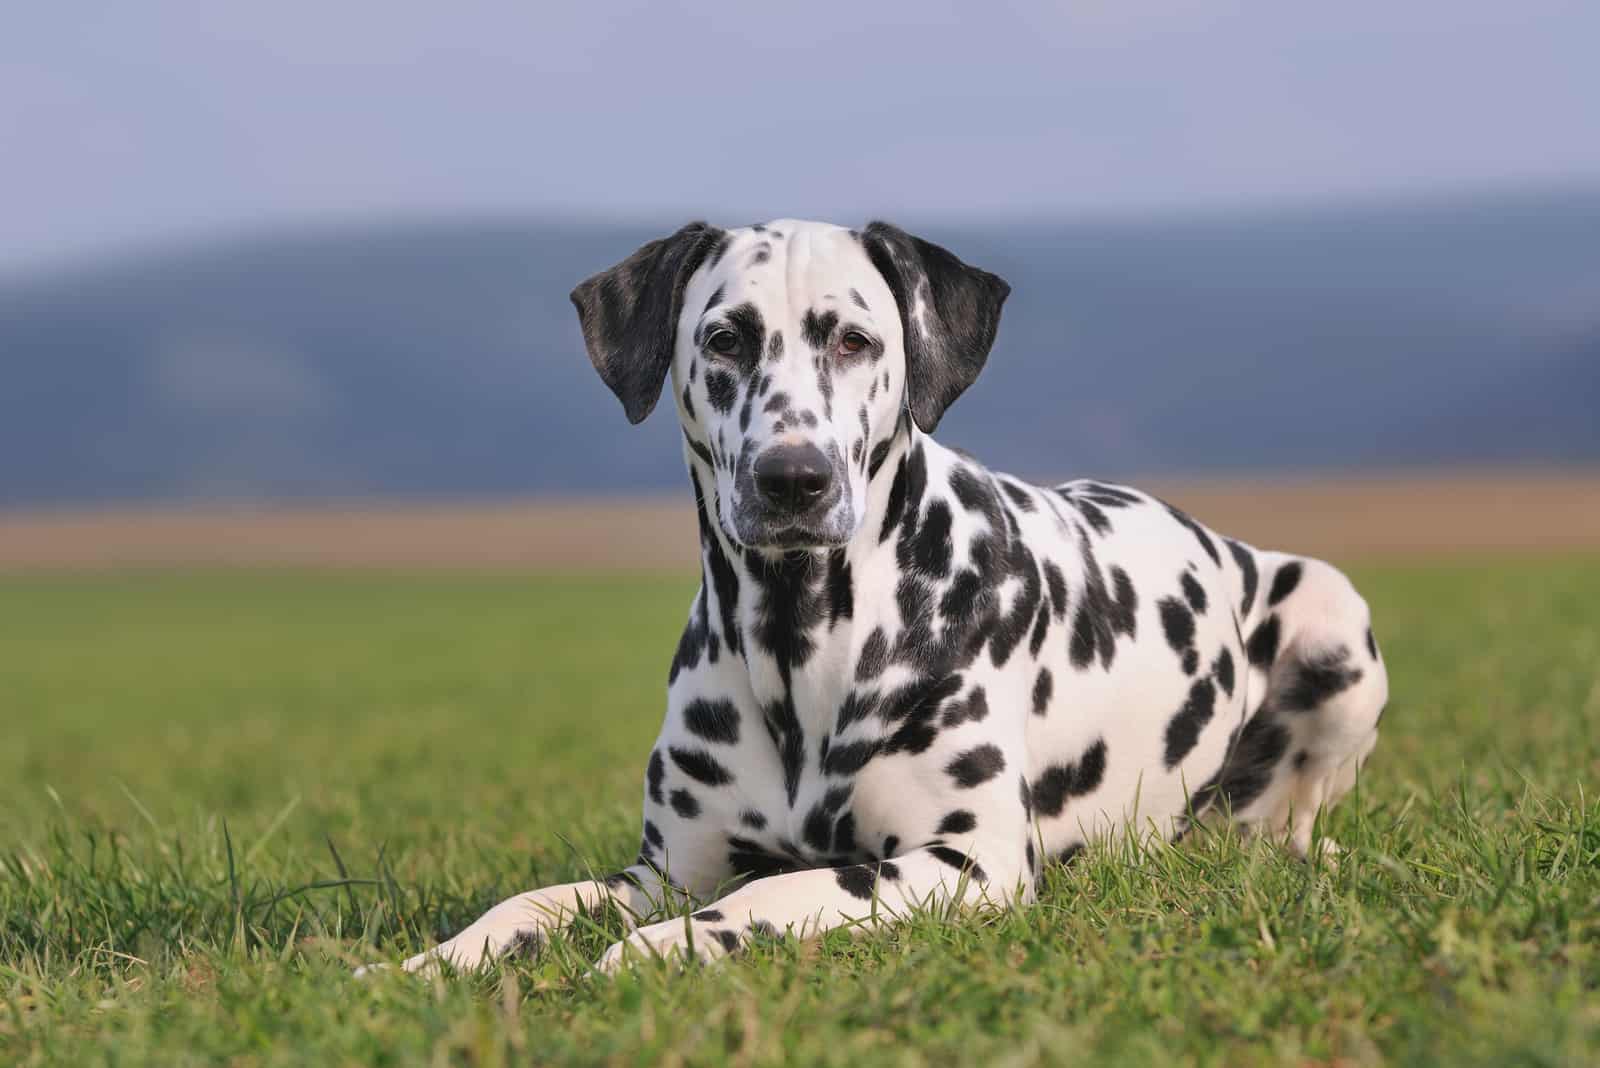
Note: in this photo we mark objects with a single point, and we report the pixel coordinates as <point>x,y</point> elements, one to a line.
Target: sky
<point>123,124</point>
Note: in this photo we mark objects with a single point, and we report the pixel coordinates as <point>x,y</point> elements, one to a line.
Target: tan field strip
<point>1343,518</point>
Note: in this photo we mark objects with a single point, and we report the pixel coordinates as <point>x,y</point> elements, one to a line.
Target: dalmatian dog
<point>908,681</point>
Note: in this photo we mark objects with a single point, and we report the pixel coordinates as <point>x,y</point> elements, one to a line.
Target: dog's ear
<point>629,314</point>
<point>949,311</point>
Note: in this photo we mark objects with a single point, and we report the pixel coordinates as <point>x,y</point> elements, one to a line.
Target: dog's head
<point>794,348</point>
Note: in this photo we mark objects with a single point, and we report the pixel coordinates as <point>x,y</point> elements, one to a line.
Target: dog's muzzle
<point>791,500</point>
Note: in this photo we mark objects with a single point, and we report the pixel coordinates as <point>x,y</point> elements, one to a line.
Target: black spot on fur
<point>698,638</point>
<point>700,766</point>
<point>817,830</point>
<point>652,834</point>
<point>722,389</point>
<point>973,709</point>
<point>724,577</point>
<point>1060,782</point>
<point>841,590</point>
<point>783,726</point>
<point>1317,679</point>
<point>857,706</point>
<point>1058,589</point>
<point>1108,496</point>
<point>1246,563</point>
<point>1222,670</point>
<point>1183,732</point>
<point>775,346</point>
<point>1043,688</point>
<point>746,321</point>
<point>816,330</point>
<point>700,451</point>
<point>525,944</point>
<point>855,298</point>
<point>1177,622</point>
<point>880,452</point>
<point>1101,616</point>
<point>1041,630</point>
<point>959,861</point>
<point>715,721</point>
<point>748,858</point>
<point>929,549</point>
<point>858,880</point>
<point>974,495</point>
<point>752,819</point>
<point>851,758</point>
<point>976,766</point>
<point>745,409</point>
<point>958,822</point>
<point>1248,770</point>
<point>844,835</point>
<point>1284,582</point>
<point>896,503</point>
<point>1300,759</point>
<point>1069,854</point>
<point>1263,645</point>
<point>654,774</point>
<point>1372,644</point>
<point>914,708</point>
<point>1194,593</point>
<point>684,804</point>
<point>1019,495</point>
<point>1199,533</point>
<point>874,656</point>
<point>1092,514</point>
<point>716,298</point>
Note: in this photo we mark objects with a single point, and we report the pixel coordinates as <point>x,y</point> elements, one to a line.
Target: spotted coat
<point>929,679</point>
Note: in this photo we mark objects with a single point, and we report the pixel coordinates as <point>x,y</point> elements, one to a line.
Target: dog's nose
<point>792,477</point>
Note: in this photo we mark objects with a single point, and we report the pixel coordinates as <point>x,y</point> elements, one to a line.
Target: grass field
<point>188,764</point>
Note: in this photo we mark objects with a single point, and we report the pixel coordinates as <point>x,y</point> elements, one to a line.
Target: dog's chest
<point>824,792</point>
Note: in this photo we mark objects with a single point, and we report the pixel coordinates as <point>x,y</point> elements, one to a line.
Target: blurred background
<point>289,282</point>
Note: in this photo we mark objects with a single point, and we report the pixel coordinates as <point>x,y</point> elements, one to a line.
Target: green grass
<point>187,764</point>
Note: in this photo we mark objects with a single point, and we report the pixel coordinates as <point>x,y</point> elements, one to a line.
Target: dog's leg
<point>810,902</point>
<point>522,923</point>
<point>1318,720</point>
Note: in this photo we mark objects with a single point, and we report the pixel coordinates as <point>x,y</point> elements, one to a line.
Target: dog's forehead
<point>794,258</point>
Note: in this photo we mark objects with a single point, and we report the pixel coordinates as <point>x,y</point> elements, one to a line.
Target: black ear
<point>948,341</point>
<point>629,314</point>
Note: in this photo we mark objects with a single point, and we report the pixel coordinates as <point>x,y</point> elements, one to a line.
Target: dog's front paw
<point>429,962</point>
<point>424,963</point>
<point>676,941</point>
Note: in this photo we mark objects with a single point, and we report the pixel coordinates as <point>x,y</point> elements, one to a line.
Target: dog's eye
<point>852,343</point>
<point>723,342</point>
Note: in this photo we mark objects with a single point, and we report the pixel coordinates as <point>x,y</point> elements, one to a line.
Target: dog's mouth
<point>795,539</point>
<point>778,533</point>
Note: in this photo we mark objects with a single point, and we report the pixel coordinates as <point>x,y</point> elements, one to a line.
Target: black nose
<point>792,477</point>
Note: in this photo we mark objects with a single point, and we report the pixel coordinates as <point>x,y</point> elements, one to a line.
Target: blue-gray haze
<point>444,358</point>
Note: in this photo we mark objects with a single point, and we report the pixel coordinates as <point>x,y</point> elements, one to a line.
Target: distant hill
<point>443,359</point>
